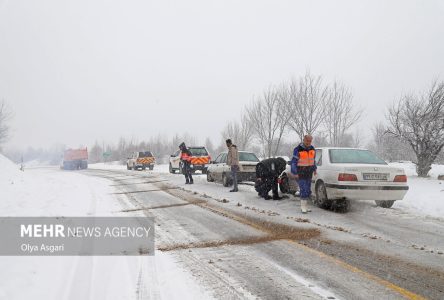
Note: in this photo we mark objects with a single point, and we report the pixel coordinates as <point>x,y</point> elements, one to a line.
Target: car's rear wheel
<point>284,185</point>
<point>321,199</point>
<point>226,181</point>
<point>209,178</point>
<point>385,203</point>
<point>204,171</point>
<point>151,168</point>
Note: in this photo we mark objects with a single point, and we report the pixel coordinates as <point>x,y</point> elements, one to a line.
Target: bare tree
<point>387,146</point>
<point>240,132</point>
<point>5,117</point>
<point>340,114</point>
<point>306,101</point>
<point>419,121</point>
<point>268,116</point>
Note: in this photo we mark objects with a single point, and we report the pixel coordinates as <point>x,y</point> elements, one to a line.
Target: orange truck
<point>75,159</point>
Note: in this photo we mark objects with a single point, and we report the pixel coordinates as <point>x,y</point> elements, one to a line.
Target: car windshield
<point>198,151</point>
<point>354,156</point>
<point>145,154</point>
<point>245,156</point>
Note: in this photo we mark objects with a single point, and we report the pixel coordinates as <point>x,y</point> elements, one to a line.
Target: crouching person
<point>303,167</point>
<point>267,174</point>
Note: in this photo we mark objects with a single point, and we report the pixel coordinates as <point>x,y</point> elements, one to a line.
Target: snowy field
<point>52,192</point>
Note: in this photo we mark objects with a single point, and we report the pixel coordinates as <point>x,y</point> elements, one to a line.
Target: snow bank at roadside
<point>9,172</point>
<point>425,196</point>
<point>52,192</point>
<point>410,169</point>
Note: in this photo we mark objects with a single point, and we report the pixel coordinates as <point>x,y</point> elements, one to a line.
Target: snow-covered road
<point>212,243</point>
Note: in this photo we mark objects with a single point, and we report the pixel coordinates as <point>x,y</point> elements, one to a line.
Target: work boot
<point>191,181</point>
<point>267,197</point>
<point>234,190</point>
<point>187,181</point>
<point>276,197</point>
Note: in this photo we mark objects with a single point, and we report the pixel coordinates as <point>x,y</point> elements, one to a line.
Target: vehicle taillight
<point>400,178</point>
<point>209,158</point>
<point>347,177</point>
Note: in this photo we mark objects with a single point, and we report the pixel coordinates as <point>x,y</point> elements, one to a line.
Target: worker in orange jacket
<point>303,166</point>
<point>185,160</point>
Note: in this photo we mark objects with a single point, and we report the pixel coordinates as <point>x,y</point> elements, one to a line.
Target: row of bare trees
<point>160,145</point>
<point>301,106</point>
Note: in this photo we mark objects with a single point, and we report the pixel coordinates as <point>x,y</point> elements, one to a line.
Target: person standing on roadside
<point>185,160</point>
<point>233,162</point>
<point>303,166</point>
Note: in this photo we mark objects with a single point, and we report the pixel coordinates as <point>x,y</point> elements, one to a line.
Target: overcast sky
<point>77,71</point>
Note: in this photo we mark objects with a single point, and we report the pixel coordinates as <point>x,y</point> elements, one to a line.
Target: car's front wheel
<point>225,180</point>
<point>209,178</point>
<point>321,199</point>
<point>385,203</point>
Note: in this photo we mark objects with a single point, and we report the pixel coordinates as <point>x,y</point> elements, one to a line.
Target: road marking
<point>314,288</point>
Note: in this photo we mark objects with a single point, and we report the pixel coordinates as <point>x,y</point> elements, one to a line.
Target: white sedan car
<point>345,174</point>
<point>218,170</point>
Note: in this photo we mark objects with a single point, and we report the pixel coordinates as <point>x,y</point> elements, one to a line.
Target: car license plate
<point>248,168</point>
<point>375,176</point>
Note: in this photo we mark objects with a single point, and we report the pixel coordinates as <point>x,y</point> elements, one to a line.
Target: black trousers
<point>186,170</point>
<point>265,185</point>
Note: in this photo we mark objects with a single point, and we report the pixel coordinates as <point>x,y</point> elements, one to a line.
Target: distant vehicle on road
<point>75,159</point>
<point>346,174</point>
<point>200,158</point>
<point>141,160</point>
<point>219,171</point>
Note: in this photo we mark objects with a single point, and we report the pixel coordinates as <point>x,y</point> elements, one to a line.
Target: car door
<point>219,166</point>
<point>214,167</point>
<point>318,161</point>
<point>175,160</point>
<point>224,168</point>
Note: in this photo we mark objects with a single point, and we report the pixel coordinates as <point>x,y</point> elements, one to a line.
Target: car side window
<point>176,153</point>
<point>224,158</point>
<point>319,157</point>
<point>217,160</point>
